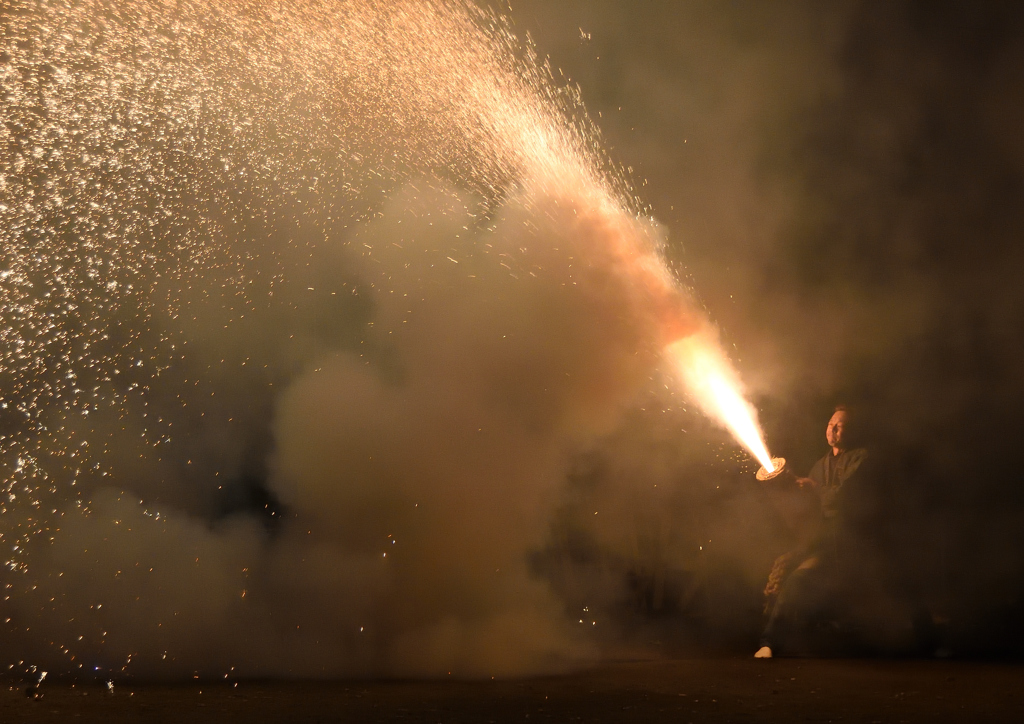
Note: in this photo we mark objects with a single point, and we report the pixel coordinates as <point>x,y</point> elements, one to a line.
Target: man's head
<point>838,433</point>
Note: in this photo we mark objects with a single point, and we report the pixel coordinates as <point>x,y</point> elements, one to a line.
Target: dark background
<point>843,183</point>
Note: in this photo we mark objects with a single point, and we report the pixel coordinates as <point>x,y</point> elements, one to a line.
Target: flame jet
<point>712,381</point>
<point>557,160</point>
<point>688,340</point>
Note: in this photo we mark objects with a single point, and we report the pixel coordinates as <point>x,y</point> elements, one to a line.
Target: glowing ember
<point>714,384</point>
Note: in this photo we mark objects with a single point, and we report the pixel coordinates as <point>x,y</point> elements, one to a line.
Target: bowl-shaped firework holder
<point>781,476</point>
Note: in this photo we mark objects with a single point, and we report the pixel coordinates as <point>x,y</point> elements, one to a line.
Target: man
<point>803,580</point>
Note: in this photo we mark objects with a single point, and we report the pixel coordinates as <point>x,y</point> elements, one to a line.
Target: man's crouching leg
<point>787,593</point>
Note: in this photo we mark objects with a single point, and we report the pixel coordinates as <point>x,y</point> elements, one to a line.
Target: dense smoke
<point>412,477</point>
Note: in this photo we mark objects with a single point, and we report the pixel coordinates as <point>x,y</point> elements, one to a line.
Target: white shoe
<point>763,653</point>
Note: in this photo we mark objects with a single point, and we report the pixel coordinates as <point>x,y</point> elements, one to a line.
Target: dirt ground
<point>678,691</point>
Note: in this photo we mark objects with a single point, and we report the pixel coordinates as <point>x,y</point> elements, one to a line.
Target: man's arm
<point>814,477</point>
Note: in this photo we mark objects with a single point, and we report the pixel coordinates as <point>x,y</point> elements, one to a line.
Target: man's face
<point>834,433</point>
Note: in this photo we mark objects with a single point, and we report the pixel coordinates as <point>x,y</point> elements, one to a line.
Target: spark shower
<point>370,225</point>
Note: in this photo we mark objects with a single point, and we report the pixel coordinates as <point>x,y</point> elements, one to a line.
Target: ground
<point>678,691</point>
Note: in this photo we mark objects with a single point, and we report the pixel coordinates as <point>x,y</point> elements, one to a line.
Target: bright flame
<point>714,384</point>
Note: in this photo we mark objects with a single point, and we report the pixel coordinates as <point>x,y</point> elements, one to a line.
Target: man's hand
<point>807,483</point>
